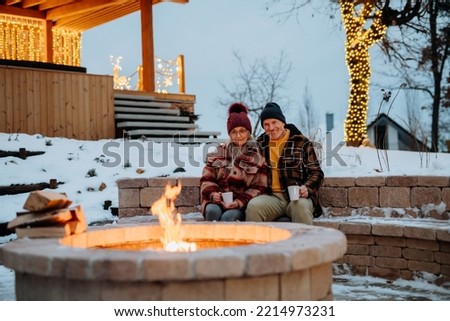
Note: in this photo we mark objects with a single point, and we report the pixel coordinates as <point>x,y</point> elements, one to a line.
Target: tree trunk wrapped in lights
<point>359,40</point>
<point>365,23</point>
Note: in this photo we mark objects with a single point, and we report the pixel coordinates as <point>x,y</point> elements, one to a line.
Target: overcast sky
<point>207,32</point>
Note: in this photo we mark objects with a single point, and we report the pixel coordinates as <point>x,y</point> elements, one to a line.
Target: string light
<point>359,40</point>
<point>66,47</point>
<point>19,38</point>
<point>24,39</point>
<point>166,74</point>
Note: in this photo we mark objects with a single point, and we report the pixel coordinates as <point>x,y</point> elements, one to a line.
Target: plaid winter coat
<point>298,165</point>
<point>242,171</point>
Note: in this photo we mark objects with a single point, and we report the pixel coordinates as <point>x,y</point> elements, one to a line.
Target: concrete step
<point>134,97</point>
<point>158,119</point>
<point>170,135</point>
<point>141,124</point>
<point>153,118</point>
<point>134,103</point>
<point>137,110</point>
<point>148,97</point>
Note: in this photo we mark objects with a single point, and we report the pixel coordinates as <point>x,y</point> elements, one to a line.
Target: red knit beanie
<point>238,117</point>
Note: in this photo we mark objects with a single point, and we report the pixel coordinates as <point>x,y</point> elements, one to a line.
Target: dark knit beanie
<point>238,117</point>
<point>272,110</point>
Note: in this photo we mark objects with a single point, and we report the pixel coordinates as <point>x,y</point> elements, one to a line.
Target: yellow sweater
<point>276,147</point>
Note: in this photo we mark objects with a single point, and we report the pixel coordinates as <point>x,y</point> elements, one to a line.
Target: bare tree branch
<point>256,84</point>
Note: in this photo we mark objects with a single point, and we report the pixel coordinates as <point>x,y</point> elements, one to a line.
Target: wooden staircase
<point>158,117</point>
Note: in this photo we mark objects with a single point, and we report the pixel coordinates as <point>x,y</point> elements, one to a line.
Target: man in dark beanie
<point>292,161</point>
<point>272,110</point>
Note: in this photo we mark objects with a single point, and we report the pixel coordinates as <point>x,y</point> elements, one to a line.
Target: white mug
<point>227,197</point>
<point>294,192</point>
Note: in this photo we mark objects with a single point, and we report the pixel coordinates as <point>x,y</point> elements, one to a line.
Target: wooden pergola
<point>44,89</point>
<point>81,15</point>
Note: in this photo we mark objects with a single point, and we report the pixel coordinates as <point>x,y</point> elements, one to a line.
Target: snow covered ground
<point>348,287</point>
<point>81,167</point>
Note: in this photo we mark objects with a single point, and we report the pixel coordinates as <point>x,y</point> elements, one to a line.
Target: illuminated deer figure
<point>120,82</point>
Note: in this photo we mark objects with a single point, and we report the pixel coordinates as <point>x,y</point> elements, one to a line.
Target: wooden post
<point>53,183</point>
<point>148,62</point>
<point>22,153</point>
<point>181,84</point>
<point>107,204</point>
<point>48,41</point>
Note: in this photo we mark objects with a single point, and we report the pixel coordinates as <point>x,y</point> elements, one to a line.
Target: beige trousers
<point>266,208</point>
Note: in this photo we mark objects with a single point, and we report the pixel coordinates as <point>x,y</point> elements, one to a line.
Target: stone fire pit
<point>235,261</point>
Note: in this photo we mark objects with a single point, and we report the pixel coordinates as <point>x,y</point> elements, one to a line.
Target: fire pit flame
<point>170,221</point>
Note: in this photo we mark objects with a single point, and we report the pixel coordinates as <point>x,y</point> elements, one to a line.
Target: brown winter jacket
<point>242,171</point>
<point>298,165</point>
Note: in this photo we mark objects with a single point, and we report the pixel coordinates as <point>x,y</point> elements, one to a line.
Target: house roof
<point>383,119</point>
<point>78,15</point>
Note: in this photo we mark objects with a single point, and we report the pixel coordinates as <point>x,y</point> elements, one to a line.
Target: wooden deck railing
<point>56,103</point>
<point>68,103</point>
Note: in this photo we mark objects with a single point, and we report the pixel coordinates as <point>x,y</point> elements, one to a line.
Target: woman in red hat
<point>237,166</point>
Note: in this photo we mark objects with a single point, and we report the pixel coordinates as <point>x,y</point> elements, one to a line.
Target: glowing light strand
<point>66,47</point>
<point>120,82</point>
<point>24,39</point>
<point>166,75</point>
<point>358,41</point>
<point>20,38</point>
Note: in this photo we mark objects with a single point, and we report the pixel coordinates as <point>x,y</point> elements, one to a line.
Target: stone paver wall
<point>395,226</point>
<point>391,196</point>
<point>395,248</point>
<point>136,196</point>
<point>280,261</point>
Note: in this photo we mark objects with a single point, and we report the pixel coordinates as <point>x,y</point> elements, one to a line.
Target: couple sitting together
<point>258,172</point>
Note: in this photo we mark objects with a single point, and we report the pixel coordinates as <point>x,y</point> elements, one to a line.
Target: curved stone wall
<point>394,248</point>
<point>283,262</point>
<point>390,196</point>
<point>396,226</point>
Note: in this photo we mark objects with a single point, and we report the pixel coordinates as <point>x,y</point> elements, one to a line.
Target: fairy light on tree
<point>359,38</point>
<point>365,23</point>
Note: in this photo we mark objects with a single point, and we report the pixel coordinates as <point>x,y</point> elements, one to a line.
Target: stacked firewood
<point>48,214</point>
